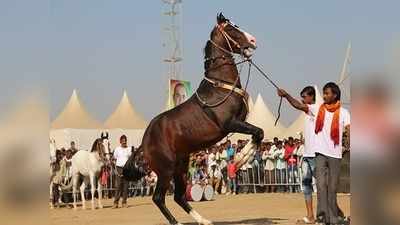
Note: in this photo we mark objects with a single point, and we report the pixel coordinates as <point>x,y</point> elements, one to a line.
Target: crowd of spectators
<point>273,167</point>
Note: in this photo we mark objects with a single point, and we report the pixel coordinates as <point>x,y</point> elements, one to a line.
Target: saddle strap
<point>226,86</point>
<point>229,87</point>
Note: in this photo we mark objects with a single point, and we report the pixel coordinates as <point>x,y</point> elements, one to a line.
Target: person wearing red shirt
<point>291,160</point>
<point>232,176</point>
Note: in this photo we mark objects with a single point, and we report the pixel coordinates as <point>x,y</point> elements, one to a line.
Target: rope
<point>273,83</point>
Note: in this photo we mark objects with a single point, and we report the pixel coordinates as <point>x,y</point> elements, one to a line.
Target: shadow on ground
<point>258,221</point>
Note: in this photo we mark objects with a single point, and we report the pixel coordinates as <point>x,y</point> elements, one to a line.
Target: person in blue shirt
<point>230,149</point>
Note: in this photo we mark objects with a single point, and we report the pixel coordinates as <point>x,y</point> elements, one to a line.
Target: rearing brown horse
<point>218,108</point>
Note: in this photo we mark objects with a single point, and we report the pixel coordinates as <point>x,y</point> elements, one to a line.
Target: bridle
<point>220,83</point>
<point>226,85</point>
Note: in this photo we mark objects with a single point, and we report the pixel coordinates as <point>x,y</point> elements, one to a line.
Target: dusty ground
<point>249,209</point>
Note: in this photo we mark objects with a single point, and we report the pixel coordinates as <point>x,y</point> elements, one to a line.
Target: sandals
<point>305,220</point>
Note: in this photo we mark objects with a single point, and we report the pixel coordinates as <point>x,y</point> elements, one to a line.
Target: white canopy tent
<point>74,123</point>
<point>125,120</point>
<point>75,116</point>
<point>125,116</point>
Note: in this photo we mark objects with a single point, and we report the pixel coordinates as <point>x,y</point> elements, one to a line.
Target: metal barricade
<point>255,176</point>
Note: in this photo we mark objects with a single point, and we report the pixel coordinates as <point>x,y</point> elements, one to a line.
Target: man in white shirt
<point>307,151</point>
<point>331,120</point>
<point>215,175</point>
<point>121,155</point>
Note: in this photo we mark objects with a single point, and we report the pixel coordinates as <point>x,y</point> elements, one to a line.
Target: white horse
<point>88,164</point>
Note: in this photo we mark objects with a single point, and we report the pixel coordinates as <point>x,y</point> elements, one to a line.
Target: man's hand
<point>282,93</point>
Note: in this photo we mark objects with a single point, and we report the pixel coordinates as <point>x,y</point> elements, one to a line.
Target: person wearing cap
<point>121,155</point>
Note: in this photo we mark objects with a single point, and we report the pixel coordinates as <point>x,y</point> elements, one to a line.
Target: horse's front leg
<point>237,126</point>
<point>99,192</point>
<point>93,189</point>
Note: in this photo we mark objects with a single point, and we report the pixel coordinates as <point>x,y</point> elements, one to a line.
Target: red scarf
<point>333,108</point>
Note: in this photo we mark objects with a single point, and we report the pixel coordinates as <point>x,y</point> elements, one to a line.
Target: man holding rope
<point>308,165</point>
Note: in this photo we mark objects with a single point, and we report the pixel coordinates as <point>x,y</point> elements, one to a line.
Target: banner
<point>179,92</point>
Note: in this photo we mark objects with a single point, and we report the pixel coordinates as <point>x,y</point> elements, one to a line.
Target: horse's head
<point>230,37</point>
<point>99,148</point>
<point>106,144</point>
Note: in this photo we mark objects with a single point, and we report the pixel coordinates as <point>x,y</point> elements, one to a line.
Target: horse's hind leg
<point>180,198</point>
<point>83,186</point>
<point>74,187</point>
<point>159,195</point>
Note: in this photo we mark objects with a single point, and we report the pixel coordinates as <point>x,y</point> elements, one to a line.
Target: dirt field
<point>249,209</point>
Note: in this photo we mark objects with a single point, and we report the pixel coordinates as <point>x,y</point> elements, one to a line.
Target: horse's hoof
<point>100,206</point>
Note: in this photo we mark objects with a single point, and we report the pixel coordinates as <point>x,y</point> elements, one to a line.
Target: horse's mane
<point>95,146</point>
<point>208,50</point>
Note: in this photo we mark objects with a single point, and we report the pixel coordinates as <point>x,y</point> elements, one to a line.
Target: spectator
<point>291,160</point>
<point>269,167</point>
<point>121,154</point>
<point>232,177</point>
<point>231,149</point>
<point>199,177</point>
<point>212,156</point>
<point>58,171</point>
<point>215,175</point>
<point>68,164</point>
<point>192,169</point>
<point>279,156</point>
<point>275,143</point>
<point>73,148</point>
<point>224,163</point>
<point>151,181</point>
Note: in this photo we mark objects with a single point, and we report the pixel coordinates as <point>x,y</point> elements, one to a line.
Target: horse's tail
<point>135,168</point>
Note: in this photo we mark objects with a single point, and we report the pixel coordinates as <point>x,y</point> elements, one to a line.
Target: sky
<point>102,47</point>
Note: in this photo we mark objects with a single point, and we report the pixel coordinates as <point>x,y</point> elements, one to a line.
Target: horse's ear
<point>107,135</point>
<point>221,18</point>
<point>101,135</point>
